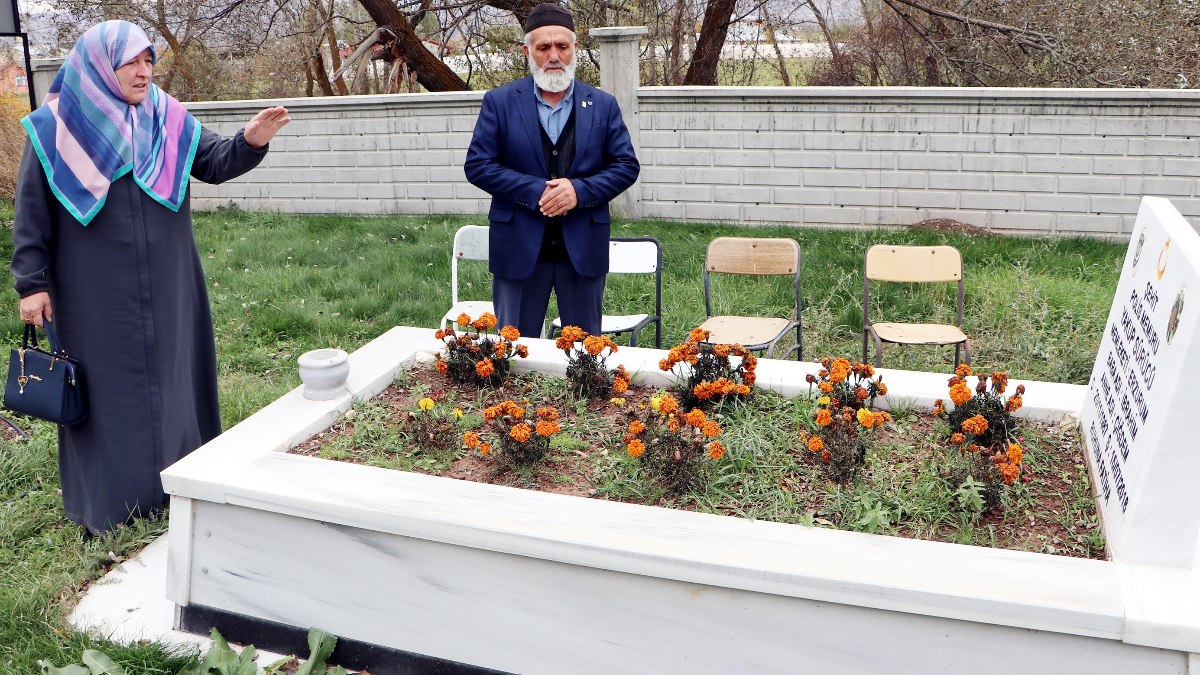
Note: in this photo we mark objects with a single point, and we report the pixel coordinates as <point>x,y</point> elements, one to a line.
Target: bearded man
<point>553,152</point>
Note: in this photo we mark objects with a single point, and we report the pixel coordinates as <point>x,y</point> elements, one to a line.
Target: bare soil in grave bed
<point>1050,510</point>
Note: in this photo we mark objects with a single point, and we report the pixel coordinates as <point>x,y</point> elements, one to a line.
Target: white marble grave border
<point>248,466</point>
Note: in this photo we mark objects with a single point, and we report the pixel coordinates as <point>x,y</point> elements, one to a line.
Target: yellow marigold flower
<point>547,428</point>
<point>485,448</point>
<point>1015,453</point>
<point>636,448</point>
<point>457,412</point>
<point>975,425</point>
<point>520,432</point>
<point>463,320</point>
<point>825,387</point>
<point>441,366</point>
<point>1013,404</point>
<point>960,393</point>
<point>710,429</point>
<point>636,427</point>
<point>425,404</point>
<point>962,370</point>
<point>594,344</point>
<point>824,417</point>
<point>510,333</point>
<point>667,404</point>
<point>620,385</point>
<point>471,439</point>
<point>696,417</point>
<point>655,402</point>
<point>865,418</point>
<point>957,439</point>
<point>698,335</point>
<point>484,368</point>
<point>616,401</point>
<point>522,351</point>
<point>573,333</point>
<point>816,443</point>
<point>716,450</point>
<point>824,400</point>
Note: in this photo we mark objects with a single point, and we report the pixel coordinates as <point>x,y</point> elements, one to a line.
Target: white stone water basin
<point>527,581</point>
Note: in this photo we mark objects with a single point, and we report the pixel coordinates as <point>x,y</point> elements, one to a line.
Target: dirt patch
<point>949,225</point>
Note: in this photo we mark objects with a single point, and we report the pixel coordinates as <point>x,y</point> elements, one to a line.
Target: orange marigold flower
<point>636,427</point>
<point>510,333</point>
<point>881,388</point>
<point>865,418</point>
<point>881,418</point>
<point>816,443</point>
<point>957,439</point>
<point>960,393</point>
<point>439,334</point>
<point>463,319</point>
<point>522,351</point>
<point>485,368</point>
<point>750,362</point>
<point>485,448</point>
<point>824,417</point>
<point>620,385</point>
<point>1009,472</point>
<point>982,386</point>
<point>962,370</point>
<point>739,350</point>
<point>674,424</point>
<point>810,378</point>
<point>513,409</point>
<point>667,404</point>
<point>749,378</point>
<point>635,448</point>
<point>564,344</point>
<point>500,349</point>
<point>861,393</point>
<point>1020,390</point>
<point>696,417</point>
<point>594,344</point>
<point>721,351</point>
<point>547,428</point>
<point>520,432</point>
<point>441,366</point>
<point>974,448</point>
<point>664,365</point>
<point>710,429</point>
<point>698,335</point>
<point>471,439</point>
<point>826,455</point>
<point>573,333</point>
<point>825,387</point>
<point>975,425</point>
<point>1000,381</point>
<point>716,450</point>
<point>1013,404</point>
<point>1015,453</point>
<point>488,320</point>
<point>490,412</point>
<point>548,413</point>
<point>867,369</point>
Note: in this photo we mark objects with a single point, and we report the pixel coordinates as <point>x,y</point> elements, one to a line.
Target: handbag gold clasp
<point>24,379</point>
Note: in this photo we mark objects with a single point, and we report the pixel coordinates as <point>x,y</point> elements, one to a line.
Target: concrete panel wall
<point>1013,160</point>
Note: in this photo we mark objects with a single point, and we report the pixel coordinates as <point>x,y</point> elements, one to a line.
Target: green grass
<point>284,284</point>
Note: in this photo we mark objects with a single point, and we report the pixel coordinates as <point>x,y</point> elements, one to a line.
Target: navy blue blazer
<point>506,160</point>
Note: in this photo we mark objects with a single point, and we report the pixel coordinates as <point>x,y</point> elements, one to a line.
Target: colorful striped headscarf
<point>87,135</point>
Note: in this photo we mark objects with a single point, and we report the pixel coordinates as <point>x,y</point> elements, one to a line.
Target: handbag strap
<point>30,338</point>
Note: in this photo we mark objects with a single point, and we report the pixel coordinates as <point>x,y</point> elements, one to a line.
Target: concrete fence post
<point>42,76</point>
<point>620,75</point>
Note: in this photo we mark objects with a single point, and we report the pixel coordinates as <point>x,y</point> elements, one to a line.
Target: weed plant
<point>282,284</point>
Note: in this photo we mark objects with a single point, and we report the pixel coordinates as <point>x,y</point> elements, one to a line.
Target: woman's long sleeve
<point>33,227</point>
<point>220,159</point>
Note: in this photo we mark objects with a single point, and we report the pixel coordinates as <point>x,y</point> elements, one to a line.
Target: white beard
<point>552,82</point>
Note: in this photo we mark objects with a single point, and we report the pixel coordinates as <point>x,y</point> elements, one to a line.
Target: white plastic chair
<point>470,243</point>
<point>632,255</point>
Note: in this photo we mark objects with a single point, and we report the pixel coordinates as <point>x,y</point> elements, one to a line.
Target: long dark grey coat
<point>130,303</point>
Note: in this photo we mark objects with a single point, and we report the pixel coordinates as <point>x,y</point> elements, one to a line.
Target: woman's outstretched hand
<point>35,308</point>
<point>262,127</point>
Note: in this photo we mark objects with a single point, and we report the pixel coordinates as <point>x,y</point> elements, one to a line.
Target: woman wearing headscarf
<point>103,247</point>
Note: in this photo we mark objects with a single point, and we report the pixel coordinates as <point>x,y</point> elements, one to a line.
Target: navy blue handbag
<point>47,385</point>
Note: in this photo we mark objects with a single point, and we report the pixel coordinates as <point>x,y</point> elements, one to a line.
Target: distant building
<point>13,80</point>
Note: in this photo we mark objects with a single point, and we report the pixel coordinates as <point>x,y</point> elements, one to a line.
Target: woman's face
<point>135,77</point>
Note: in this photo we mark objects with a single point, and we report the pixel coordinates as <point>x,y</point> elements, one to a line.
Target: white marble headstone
<point>1141,416</point>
